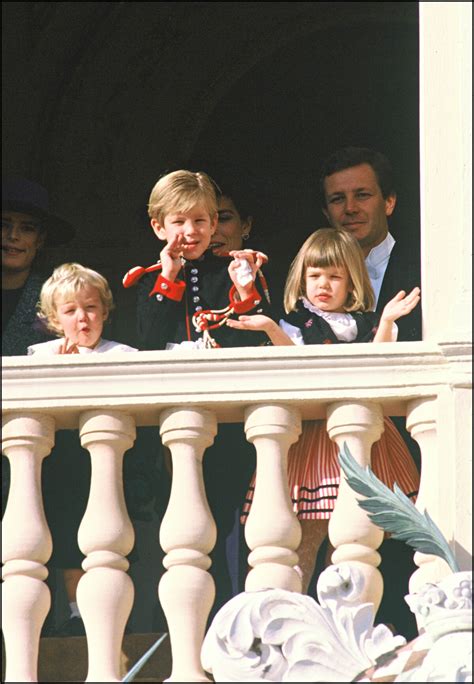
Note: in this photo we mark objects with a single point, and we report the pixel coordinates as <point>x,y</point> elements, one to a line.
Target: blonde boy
<point>172,308</point>
<point>75,302</point>
<point>187,305</point>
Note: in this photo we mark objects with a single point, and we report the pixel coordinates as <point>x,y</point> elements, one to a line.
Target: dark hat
<point>29,197</point>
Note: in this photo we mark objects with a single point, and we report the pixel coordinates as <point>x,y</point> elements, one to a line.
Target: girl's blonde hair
<point>64,284</point>
<point>181,191</point>
<point>328,247</point>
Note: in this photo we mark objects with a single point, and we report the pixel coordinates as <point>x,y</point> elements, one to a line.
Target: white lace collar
<point>343,318</point>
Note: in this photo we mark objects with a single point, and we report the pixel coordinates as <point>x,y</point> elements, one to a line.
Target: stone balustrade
<point>269,390</point>
<point>358,425</point>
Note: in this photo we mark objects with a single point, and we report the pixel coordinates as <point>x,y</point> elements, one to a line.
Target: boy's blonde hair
<point>63,284</point>
<point>181,191</point>
<point>328,247</point>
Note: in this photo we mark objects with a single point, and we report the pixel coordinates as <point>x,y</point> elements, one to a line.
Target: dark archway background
<point>343,85</point>
<point>100,98</point>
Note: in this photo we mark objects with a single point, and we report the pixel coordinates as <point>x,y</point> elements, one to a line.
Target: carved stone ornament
<point>443,651</point>
<point>282,636</point>
<point>444,611</point>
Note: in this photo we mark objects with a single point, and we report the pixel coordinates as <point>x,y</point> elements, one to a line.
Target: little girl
<point>74,303</point>
<point>328,300</point>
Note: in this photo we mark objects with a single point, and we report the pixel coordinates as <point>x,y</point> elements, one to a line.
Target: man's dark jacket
<point>403,272</point>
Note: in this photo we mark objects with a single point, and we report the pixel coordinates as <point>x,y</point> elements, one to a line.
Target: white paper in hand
<point>244,272</point>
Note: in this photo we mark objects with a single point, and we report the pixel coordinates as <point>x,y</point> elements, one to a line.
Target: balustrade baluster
<point>187,534</point>
<point>272,531</point>
<point>354,536</point>
<point>26,545</point>
<point>421,423</point>
<point>105,593</point>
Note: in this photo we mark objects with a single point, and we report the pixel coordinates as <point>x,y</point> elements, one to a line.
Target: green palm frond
<point>394,512</point>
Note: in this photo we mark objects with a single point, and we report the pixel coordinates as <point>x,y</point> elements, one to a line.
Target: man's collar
<point>380,252</point>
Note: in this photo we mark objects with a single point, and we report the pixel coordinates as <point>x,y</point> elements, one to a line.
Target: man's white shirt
<point>377,262</point>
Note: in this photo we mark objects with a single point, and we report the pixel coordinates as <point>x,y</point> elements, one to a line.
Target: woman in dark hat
<point>27,226</point>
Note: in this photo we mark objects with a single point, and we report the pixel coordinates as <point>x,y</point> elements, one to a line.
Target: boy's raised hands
<point>256,259</point>
<point>170,256</point>
<point>243,269</point>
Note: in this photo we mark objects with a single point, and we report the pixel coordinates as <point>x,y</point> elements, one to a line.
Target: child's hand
<point>170,257</point>
<point>68,347</point>
<point>400,305</point>
<point>252,256</point>
<point>254,260</point>
<point>256,322</point>
<point>261,323</point>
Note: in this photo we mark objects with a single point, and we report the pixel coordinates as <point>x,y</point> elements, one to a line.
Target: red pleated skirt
<point>314,471</point>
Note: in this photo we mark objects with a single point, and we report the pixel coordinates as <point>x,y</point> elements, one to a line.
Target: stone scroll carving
<point>279,635</point>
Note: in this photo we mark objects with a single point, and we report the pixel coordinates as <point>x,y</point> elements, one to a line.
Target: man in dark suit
<point>358,195</point>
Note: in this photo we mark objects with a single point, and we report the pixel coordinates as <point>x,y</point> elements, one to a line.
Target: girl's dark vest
<point>316,330</point>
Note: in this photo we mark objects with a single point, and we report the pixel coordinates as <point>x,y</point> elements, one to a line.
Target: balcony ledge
<point>228,380</point>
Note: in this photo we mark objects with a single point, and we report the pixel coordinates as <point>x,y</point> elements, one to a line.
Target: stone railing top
<point>228,380</point>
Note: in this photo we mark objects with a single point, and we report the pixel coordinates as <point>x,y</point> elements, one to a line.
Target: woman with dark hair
<point>27,227</point>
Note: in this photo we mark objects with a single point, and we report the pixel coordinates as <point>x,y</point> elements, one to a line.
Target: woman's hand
<point>401,305</point>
